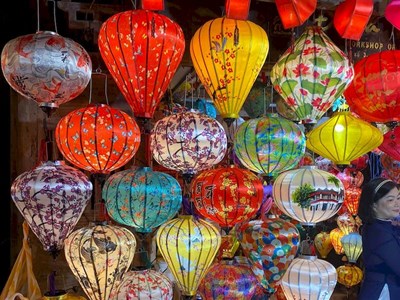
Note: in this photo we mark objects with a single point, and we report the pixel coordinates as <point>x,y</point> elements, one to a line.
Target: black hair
<point>371,194</point>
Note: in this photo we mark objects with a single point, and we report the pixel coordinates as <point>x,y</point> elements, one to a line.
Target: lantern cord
<point>54,15</point>
<point>38,15</point>
<point>392,38</point>
<point>99,72</point>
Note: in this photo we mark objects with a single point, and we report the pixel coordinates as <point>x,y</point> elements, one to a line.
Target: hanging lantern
<point>311,75</point>
<point>145,284</point>
<point>270,245</point>
<point>228,55</point>
<point>142,198</point>
<point>347,223</point>
<point>237,9</point>
<point>294,13</point>
<point>142,51</point>
<point>352,199</point>
<point>343,138</point>
<point>229,245</point>
<point>352,246</point>
<point>51,198</point>
<point>391,167</point>
<point>309,278</point>
<point>46,68</point>
<point>205,107</point>
<point>350,179</point>
<point>360,163</point>
<point>336,235</point>
<point>189,247</point>
<point>188,142</point>
<point>99,256</point>
<point>269,145</point>
<point>97,138</point>
<point>349,275</point>
<point>153,4</point>
<point>322,242</point>
<point>267,201</point>
<point>392,13</point>
<point>258,100</point>
<point>374,92</point>
<point>390,145</point>
<point>308,195</point>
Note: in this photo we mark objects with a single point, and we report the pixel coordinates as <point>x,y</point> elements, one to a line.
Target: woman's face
<point>388,207</point>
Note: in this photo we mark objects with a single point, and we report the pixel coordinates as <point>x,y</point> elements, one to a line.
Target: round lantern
<point>51,198</point>
<point>258,100</point>
<point>269,145</point>
<point>188,142</point>
<point>308,195</point>
<point>392,12</point>
<point>322,242</point>
<point>142,51</point>
<point>349,275</point>
<point>97,138</point>
<point>352,199</point>
<point>294,13</point>
<point>46,68</point>
<point>374,92</point>
<point>270,245</point>
<point>228,55</point>
<point>309,278</point>
<point>145,284</point>
<point>189,246</point>
<point>311,75</point>
<point>142,198</point>
<point>343,138</point>
<point>228,195</point>
<point>390,145</point>
<point>336,235</point>
<point>352,246</point>
<point>99,256</point>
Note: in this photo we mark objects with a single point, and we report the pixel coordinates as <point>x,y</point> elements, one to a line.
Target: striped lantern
<point>309,278</point>
<point>349,275</point>
<point>308,195</point>
<point>352,246</point>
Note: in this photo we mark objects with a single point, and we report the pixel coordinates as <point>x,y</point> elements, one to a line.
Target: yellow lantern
<point>336,236</point>
<point>189,246</point>
<point>228,55</point>
<point>349,275</point>
<point>322,242</point>
<point>352,246</point>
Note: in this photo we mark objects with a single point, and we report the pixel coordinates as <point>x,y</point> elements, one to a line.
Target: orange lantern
<point>347,223</point>
<point>237,9</point>
<point>352,199</point>
<point>336,236</point>
<point>322,242</point>
<point>349,275</point>
<point>294,13</point>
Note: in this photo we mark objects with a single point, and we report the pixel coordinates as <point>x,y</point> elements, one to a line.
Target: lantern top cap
<point>52,163</point>
<point>308,257</point>
<point>185,217</point>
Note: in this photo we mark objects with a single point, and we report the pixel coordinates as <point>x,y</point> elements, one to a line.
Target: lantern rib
<point>249,161</point>
<point>81,128</point>
<point>239,181</point>
<point>131,193</point>
<point>38,226</point>
<point>219,103</point>
<point>302,96</point>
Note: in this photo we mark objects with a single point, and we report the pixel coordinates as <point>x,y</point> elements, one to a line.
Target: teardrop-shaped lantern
<point>309,278</point>
<point>352,199</point>
<point>189,246</point>
<point>308,194</point>
<point>188,142</point>
<point>227,195</point>
<point>336,235</point>
<point>322,242</point>
<point>46,68</point>
<point>99,256</point>
<point>311,75</point>
<point>142,198</point>
<point>258,100</point>
<point>352,246</point>
<point>294,13</point>
<point>97,138</point>
<point>347,223</point>
<point>343,138</point>
<point>228,55</point>
<point>142,50</point>
<point>349,275</point>
<point>269,145</point>
<point>51,198</point>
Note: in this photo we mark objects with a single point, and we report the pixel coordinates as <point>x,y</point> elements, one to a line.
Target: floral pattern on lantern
<point>352,246</point>
<point>352,199</point>
<point>322,242</point>
<point>98,138</point>
<point>349,275</point>
<point>51,198</point>
<point>258,100</point>
<point>347,223</point>
<point>336,235</point>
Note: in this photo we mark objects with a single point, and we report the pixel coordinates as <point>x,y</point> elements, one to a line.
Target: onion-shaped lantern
<point>144,284</point>
<point>374,93</point>
<point>52,198</point>
<point>189,246</point>
<point>142,198</point>
<point>352,246</point>
<point>269,145</point>
<point>311,75</point>
<point>227,56</point>
<point>258,100</point>
<point>336,235</point>
<point>294,13</point>
<point>308,195</point>
<point>309,278</point>
<point>349,275</point>
<point>46,68</point>
<point>322,242</point>
<point>98,138</point>
<point>188,142</point>
<point>99,256</point>
<point>142,51</point>
<point>390,144</point>
<point>352,199</point>
<point>228,195</point>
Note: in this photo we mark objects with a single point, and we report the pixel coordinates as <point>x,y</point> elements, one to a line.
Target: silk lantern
<point>374,92</point>
<point>390,145</point>
<point>258,100</point>
<point>228,55</point>
<point>336,235</point>
<point>227,195</point>
<point>237,9</point>
<point>188,142</point>
<point>392,12</point>
<point>51,198</point>
<point>350,179</point>
<point>347,223</point>
<point>352,246</point>
<point>142,51</point>
<point>322,242</point>
<point>311,75</point>
<point>142,198</point>
<point>309,278</point>
<point>153,4</point>
<point>46,67</point>
<point>343,138</point>
<point>144,284</point>
<point>97,138</point>
<point>352,199</point>
<point>349,275</point>
<point>294,13</point>
<point>189,246</point>
<point>99,256</point>
<point>269,145</point>
<point>308,195</point>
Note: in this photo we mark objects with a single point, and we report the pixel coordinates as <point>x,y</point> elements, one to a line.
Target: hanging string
<point>38,15</point>
<point>133,3</point>
<point>54,15</point>
<point>392,38</point>
<point>98,71</point>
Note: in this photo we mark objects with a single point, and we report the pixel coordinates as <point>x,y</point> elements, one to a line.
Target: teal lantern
<point>269,145</point>
<point>142,198</point>
<point>258,100</point>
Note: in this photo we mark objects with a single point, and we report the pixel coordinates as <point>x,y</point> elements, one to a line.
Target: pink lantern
<point>392,12</point>
<point>350,179</point>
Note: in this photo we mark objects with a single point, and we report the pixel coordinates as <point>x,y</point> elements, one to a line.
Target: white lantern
<point>352,246</point>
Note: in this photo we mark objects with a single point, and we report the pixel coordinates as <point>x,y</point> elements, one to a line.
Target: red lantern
<point>237,9</point>
<point>294,13</point>
<point>351,18</point>
<point>390,144</point>
<point>153,4</point>
<point>392,13</point>
<point>142,51</point>
<point>352,199</point>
